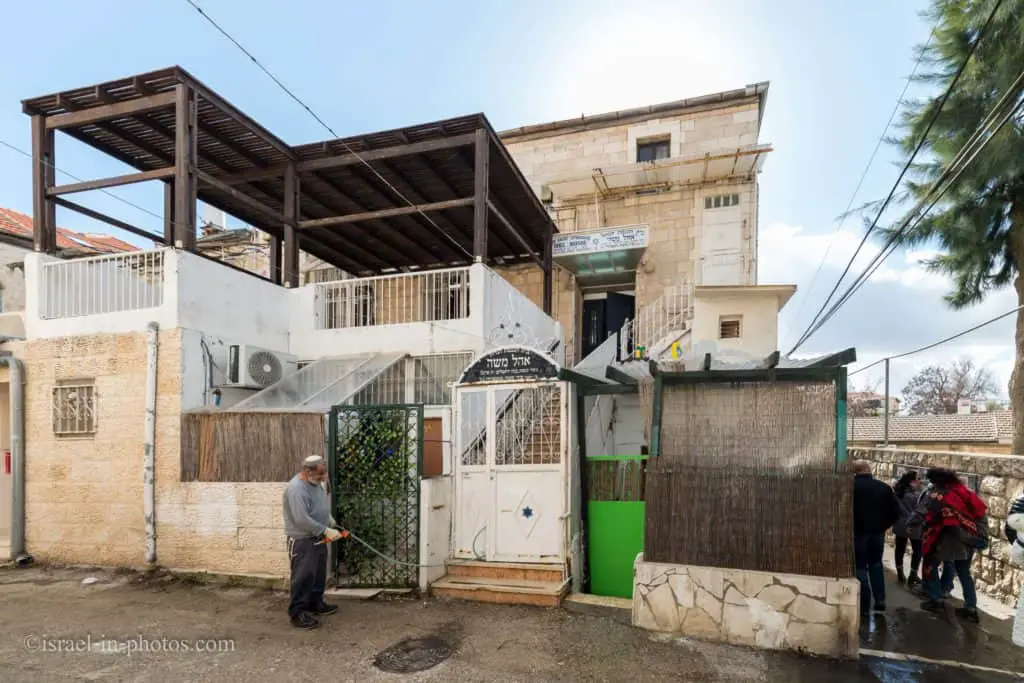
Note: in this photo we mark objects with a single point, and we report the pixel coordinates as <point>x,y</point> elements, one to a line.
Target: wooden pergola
<point>435,195</point>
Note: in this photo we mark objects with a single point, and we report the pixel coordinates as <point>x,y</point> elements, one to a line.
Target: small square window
<point>729,327</point>
<point>652,150</point>
<point>74,408</point>
<point>719,201</point>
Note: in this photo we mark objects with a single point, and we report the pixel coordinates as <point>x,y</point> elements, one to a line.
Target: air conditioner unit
<point>250,367</point>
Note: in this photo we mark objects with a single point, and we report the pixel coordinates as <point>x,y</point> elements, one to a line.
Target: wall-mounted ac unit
<point>250,367</point>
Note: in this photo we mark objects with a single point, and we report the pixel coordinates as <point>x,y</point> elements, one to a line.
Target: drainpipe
<point>149,488</point>
<point>17,398</point>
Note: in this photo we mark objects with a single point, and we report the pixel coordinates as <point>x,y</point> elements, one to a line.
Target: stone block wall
<point>84,494</point>
<point>757,609</point>
<point>1002,480</point>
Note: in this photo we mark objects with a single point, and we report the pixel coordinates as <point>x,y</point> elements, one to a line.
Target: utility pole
<point>885,407</point>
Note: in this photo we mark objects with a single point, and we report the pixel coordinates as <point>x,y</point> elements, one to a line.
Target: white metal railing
<point>435,295</point>
<point>101,284</point>
<point>668,313</point>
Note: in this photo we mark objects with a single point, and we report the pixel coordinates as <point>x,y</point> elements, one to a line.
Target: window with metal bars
<point>74,408</point>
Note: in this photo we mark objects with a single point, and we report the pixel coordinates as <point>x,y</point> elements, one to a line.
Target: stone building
<point>686,170</point>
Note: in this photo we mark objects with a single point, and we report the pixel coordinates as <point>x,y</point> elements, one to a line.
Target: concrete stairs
<point>540,585</point>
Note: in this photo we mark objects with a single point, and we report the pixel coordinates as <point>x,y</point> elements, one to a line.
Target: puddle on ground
<point>414,654</point>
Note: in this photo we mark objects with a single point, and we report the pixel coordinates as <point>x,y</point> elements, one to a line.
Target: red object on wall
<point>7,462</point>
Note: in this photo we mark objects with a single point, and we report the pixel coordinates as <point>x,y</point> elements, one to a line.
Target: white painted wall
<point>759,328</point>
<point>512,319</point>
<point>224,302</point>
<point>437,499</point>
<point>446,336</point>
<point>628,425</point>
<point>104,323</point>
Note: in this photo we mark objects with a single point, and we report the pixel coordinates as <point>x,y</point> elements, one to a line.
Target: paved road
<point>125,628</point>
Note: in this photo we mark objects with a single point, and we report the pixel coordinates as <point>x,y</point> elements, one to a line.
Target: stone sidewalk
<point>126,627</point>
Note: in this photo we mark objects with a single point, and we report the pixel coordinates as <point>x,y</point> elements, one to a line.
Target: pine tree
<point>979,223</point>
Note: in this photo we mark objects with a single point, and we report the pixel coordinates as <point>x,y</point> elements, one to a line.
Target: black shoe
<point>913,580</point>
<point>931,605</point>
<point>900,577</point>
<point>968,614</point>
<point>879,606</point>
<point>325,609</point>
<point>305,620</point>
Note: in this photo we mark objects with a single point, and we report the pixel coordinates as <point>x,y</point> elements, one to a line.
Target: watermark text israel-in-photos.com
<point>128,646</point>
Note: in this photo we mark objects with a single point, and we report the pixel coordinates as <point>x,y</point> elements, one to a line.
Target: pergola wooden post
<point>185,163</point>
<point>43,176</point>
<point>290,267</point>
<point>481,189</point>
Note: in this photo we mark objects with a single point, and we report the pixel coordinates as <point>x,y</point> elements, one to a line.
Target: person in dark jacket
<point>875,510</point>
<point>908,492</point>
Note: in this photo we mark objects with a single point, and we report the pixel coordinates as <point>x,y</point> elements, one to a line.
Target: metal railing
<point>101,284</point>
<point>436,295</point>
<point>668,313</point>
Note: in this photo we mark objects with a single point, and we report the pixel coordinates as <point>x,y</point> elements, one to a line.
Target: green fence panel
<point>615,522</point>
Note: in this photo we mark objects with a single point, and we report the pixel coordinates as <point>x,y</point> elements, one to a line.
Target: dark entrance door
<point>594,330</point>
<point>621,307</point>
<point>604,317</point>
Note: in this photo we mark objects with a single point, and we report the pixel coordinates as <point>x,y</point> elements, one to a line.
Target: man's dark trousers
<point>309,575</point>
<point>867,555</point>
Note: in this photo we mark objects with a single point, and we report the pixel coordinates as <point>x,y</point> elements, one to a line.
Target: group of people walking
<point>943,522</point>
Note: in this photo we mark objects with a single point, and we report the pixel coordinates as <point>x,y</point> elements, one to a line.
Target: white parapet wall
<point>770,611</point>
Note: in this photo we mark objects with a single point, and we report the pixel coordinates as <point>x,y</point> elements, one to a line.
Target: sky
<point>836,71</point>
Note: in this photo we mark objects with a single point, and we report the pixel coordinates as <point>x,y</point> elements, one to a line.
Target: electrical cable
<point>935,193</point>
<point>941,341</point>
<point>906,167</point>
<point>338,139</point>
<point>863,176</point>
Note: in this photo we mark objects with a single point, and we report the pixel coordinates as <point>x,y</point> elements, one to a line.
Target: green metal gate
<point>377,455</point>
<point>615,521</point>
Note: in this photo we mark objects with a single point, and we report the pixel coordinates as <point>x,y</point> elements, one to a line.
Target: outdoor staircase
<point>540,585</point>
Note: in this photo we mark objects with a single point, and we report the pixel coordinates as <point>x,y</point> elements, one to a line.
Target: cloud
<point>900,308</point>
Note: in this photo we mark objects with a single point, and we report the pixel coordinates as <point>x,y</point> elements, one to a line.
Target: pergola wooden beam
<point>241,197</point>
<point>523,242</point>
<point>349,158</point>
<point>104,218</point>
<point>186,149</point>
<point>290,262</point>
<point>110,111</point>
<point>115,181</point>
<point>385,213</point>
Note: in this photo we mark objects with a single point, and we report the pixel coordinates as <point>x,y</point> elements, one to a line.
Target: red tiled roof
<point>993,426</point>
<point>16,223</point>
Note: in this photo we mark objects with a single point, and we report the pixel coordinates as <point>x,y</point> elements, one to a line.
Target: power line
<point>941,341</point>
<point>950,174</point>
<point>863,176</point>
<point>338,139</point>
<point>903,172</point>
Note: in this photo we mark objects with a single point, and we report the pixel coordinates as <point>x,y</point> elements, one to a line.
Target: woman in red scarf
<point>952,531</point>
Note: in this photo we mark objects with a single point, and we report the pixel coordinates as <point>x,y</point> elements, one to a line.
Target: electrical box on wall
<point>250,367</point>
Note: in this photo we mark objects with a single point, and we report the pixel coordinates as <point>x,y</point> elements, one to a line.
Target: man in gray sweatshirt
<point>309,527</point>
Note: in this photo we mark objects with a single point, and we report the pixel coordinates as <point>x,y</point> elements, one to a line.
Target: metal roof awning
<point>743,162</point>
<point>604,257</point>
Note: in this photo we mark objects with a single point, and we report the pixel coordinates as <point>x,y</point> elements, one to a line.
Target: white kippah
<point>312,461</point>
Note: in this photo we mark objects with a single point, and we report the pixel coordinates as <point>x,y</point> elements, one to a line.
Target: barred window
<point>74,408</point>
<point>720,201</point>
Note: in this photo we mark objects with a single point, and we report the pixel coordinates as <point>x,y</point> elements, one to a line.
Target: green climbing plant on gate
<point>376,481</point>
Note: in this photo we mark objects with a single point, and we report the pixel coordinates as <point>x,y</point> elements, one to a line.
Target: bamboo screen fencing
<point>248,446</point>
<point>746,478</point>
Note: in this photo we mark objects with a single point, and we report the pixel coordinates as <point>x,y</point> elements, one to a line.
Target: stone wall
<point>84,494</point>
<point>1002,480</point>
<point>757,609</point>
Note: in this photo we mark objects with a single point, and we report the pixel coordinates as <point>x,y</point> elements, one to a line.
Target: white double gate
<point>511,489</point>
